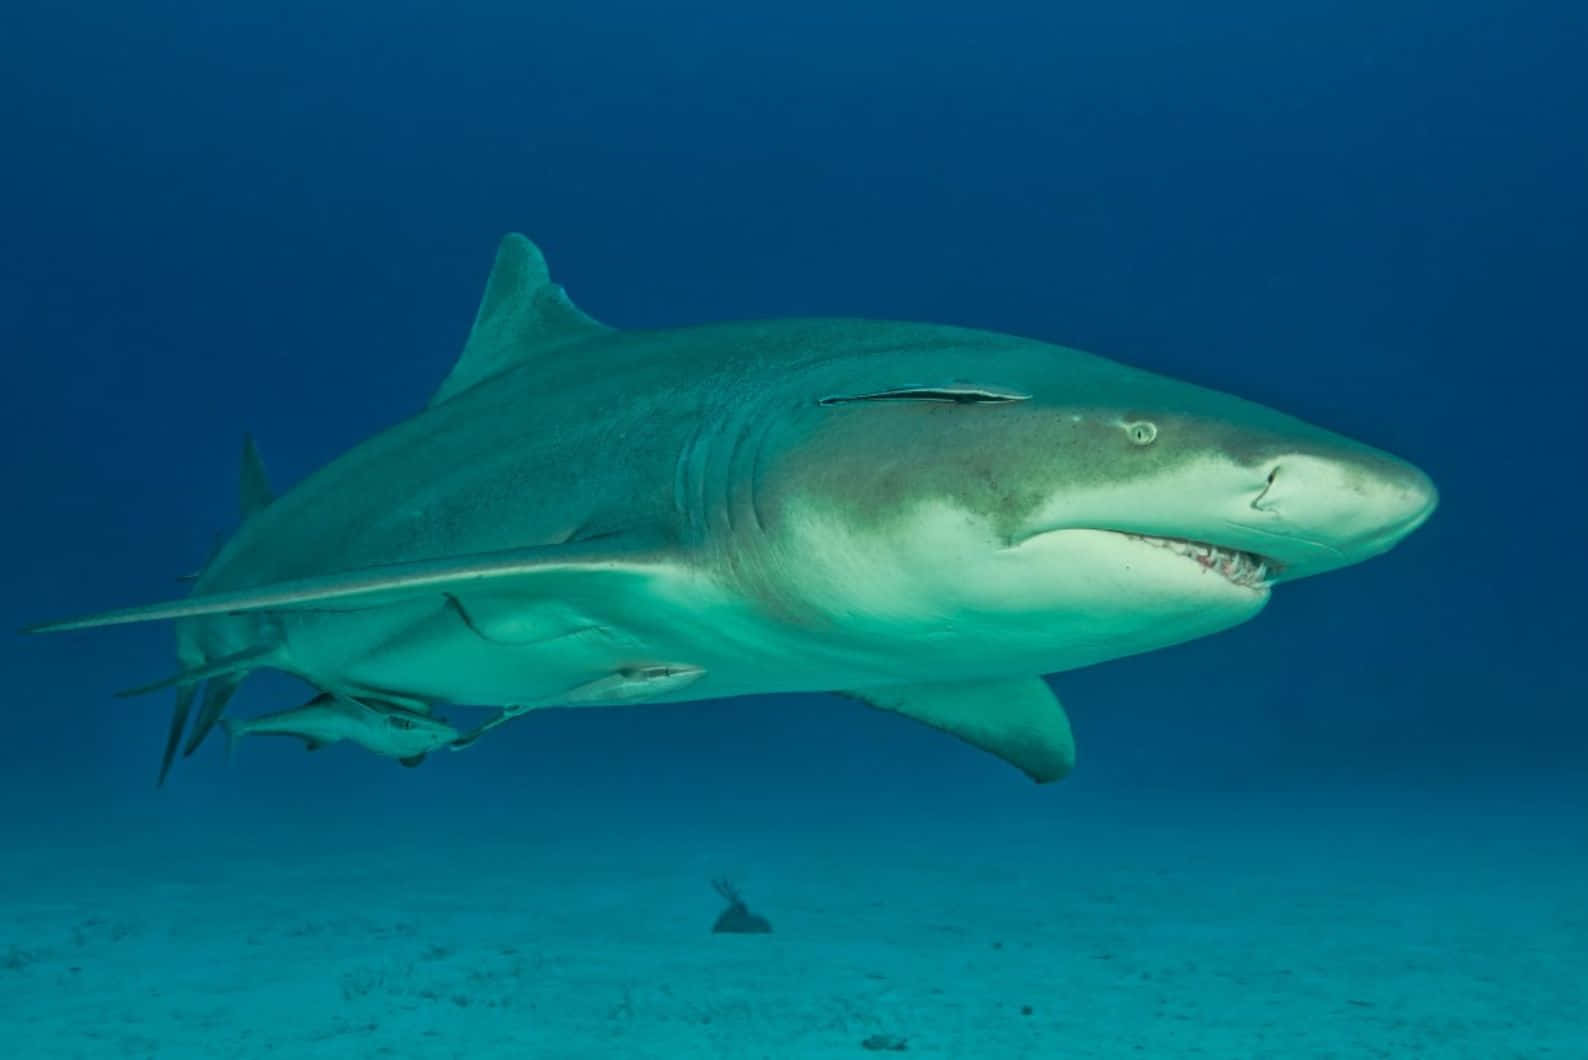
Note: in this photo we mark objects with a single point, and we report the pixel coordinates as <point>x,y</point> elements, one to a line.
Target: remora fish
<point>925,517</point>
<point>326,719</point>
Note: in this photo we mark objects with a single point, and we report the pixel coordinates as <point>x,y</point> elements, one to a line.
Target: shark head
<point>1247,493</point>
<point>1013,494</point>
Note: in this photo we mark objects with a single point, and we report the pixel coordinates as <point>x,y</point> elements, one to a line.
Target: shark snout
<point>1351,507</point>
<point>1406,500</point>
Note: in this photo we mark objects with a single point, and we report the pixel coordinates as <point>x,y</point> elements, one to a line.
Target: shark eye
<point>399,723</point>
<point>1142,432</point>
<point>955,393</point>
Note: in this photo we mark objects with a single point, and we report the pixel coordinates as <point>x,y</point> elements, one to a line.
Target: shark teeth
<point>1247,569</point>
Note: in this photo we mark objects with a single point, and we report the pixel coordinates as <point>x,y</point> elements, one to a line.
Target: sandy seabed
<point>1318,935</point>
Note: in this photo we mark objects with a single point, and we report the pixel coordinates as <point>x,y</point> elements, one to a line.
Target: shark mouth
<point>1246,569</point>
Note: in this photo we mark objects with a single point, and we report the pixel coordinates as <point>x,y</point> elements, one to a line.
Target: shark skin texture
<point>922,517</point>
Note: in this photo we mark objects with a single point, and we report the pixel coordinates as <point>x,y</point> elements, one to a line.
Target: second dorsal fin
<point>522,315</point>
<point>253,484</point>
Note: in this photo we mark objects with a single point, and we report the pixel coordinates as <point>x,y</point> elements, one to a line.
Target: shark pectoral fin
<point>225,666</point>
<point>412,760</point>
<point>216,695</point>
<point>1019,720</point>
<point>541,571</point>
<point>173,736</point>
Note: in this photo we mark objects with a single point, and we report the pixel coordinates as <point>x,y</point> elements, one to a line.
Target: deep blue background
<point>277,217</point>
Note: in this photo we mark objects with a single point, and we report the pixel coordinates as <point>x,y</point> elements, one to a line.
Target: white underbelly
<point>438,654</point>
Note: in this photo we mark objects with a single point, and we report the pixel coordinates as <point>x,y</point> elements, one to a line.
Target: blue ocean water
<point>277,218</point>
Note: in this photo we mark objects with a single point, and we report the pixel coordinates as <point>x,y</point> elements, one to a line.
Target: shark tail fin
<point>179,713</point>
<point>217,694</point>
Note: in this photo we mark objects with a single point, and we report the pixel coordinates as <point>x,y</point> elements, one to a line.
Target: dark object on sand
<point>737,918</point>
<point>885,1043</point>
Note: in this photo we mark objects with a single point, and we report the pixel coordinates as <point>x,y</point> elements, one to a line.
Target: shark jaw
<point>1049,601</point>
<point>1247,570</point>
<point>1154,573</point>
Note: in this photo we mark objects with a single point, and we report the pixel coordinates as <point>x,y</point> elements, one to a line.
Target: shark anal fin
<point>412,760</point>
<point>1020,720</point>
<point>173,736</point>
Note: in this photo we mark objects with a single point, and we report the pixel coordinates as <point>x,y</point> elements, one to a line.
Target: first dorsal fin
<point>522,315</point>
<point>253,484</point>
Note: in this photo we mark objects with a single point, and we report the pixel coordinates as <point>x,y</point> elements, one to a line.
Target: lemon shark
<point>923,517</point>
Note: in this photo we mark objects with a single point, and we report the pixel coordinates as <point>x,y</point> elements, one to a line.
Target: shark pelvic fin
<point>1020,720</point>
<point>543,570</point>
<point>254,490</point>
<point>225,666</point>
<point>522,316</point>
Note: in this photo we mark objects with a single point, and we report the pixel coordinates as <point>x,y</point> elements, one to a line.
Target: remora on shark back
<point>926,518</point>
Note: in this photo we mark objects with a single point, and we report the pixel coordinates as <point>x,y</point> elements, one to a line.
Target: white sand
<point>1207,932</point>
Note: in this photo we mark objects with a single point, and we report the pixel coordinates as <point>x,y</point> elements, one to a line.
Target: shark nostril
<point>1259,502</point>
